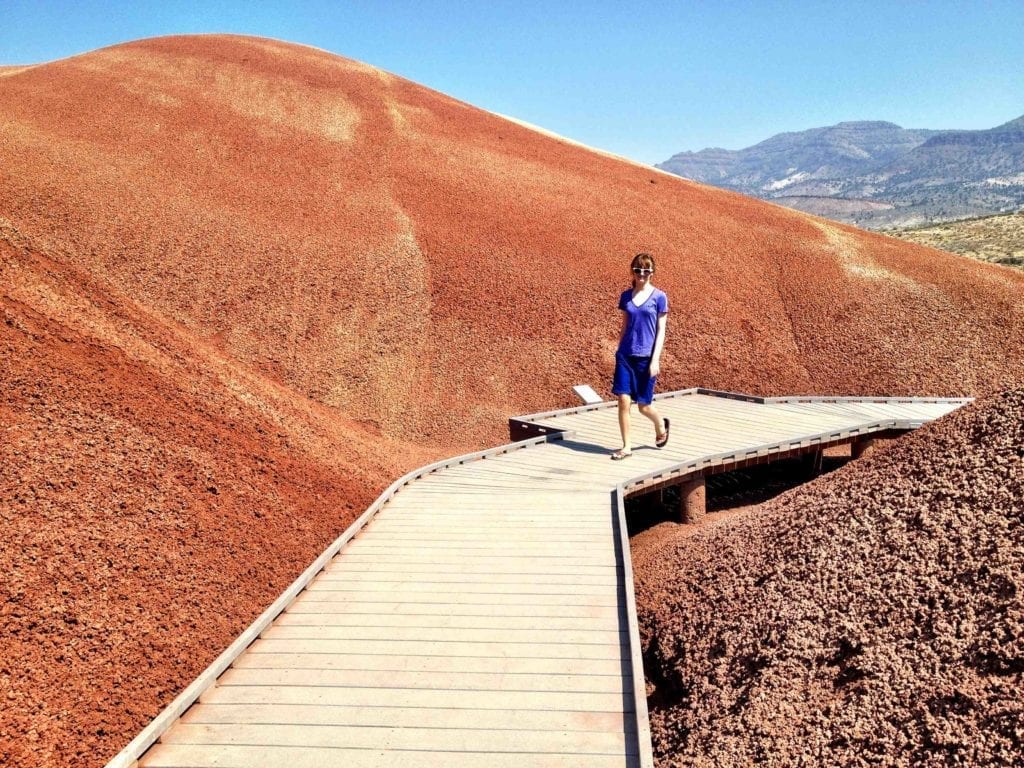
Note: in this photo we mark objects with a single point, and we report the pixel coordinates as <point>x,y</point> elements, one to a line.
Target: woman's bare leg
<point>624,404</point>
<point>651,413</point>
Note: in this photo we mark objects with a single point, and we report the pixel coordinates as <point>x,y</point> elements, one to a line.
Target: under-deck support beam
<point>692,500</point>
<point>812,462</point>
<point>865,446</point>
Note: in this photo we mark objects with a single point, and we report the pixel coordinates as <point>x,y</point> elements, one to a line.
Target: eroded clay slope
<point>155,497</point>
<point>873,617</point>
<point>399,255</point>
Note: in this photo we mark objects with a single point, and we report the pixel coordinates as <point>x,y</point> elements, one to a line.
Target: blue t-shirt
<point>641,322</point>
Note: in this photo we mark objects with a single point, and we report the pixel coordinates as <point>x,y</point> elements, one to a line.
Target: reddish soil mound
<point>873,617</point>
<point>242,279</point>
<point>392,252</point>
<point>155,496</point>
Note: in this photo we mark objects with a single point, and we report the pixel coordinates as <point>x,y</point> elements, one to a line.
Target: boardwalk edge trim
<point>643,723</point>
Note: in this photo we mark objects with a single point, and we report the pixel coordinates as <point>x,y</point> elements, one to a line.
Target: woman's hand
<point>655,367</point>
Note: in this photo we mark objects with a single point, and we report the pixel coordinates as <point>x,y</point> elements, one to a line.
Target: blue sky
<point>641,80</point>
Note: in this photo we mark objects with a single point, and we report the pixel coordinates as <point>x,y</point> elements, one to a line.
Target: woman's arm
<point>659,342</point>
<point>622,331</point>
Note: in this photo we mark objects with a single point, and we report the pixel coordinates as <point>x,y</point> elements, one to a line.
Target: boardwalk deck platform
<point>481,612</point>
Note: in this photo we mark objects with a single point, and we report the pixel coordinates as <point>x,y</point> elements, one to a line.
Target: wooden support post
<point>865,446</point>
<point>812,463</point>
<point>692,500</point>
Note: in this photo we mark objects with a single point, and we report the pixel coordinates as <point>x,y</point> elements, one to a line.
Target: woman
<point>638,359</point>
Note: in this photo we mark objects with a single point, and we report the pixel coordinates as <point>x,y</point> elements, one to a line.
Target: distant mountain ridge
<point>873,173</point>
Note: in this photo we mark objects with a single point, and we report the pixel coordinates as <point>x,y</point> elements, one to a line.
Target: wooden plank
<point>918,411</point>
<point>498,637</point>
<point>542,530</point>
<point>570,461</point>
<point>568,506</point>
<point>852,413</point>
<point>468,495</point>
<point>509,531</point>
<point>512,535</point>
<point>469,581</point>
<point>546,549</point>
<point>750,429</point>
<point>428,681</point>
<point>329,618</point>
<point>470,592</point>
<point>537,521</point>
<point>569,470</point>
<point>440,558</point>
<point>825,412</point>
<point>452,648</point>
<point>370,661</point>
<point>602,554</point>
<point>519,567</point>
<point>413,698</point>
<point>506,719</point>
<point>447,485</point>
<point>422,531</point>
<point>239,756</point>
<point>588,430</point>
<point>540,507</point>
<point>557,485</point>
<point>693,443</point>
<point>404,596</point>
<point>400,740</point>
<point>544,510</point>
<point>542,501</point>
<point>501,472</point>
<point>330,601</point>
<point>568,552</point>
<point>775,419</point>
<point>540,516</point>
<point>482,512</point>
<point>520,577</point>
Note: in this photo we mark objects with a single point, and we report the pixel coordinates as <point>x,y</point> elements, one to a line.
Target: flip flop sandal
<point>620,455</point>
<point>663,440</point>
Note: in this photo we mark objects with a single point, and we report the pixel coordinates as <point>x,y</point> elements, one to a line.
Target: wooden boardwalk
<point>481,612</point>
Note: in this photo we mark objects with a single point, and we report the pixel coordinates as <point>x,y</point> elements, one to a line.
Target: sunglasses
<point>642,271</point>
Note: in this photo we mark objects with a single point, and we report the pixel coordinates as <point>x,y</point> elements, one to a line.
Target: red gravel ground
<point>873,617</point>
<point>245,284</point>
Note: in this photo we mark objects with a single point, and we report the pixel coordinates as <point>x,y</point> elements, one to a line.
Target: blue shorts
<point>633,378</point>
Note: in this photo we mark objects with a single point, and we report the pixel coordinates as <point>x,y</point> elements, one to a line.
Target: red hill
<point>246,283</point>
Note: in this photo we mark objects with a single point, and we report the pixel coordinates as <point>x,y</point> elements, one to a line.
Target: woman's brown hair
<point>644,261</point>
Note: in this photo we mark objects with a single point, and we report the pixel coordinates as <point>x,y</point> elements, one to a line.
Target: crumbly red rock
<point>873,617</point>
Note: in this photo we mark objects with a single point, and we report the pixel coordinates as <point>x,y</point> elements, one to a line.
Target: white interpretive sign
<point>587,394</point>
